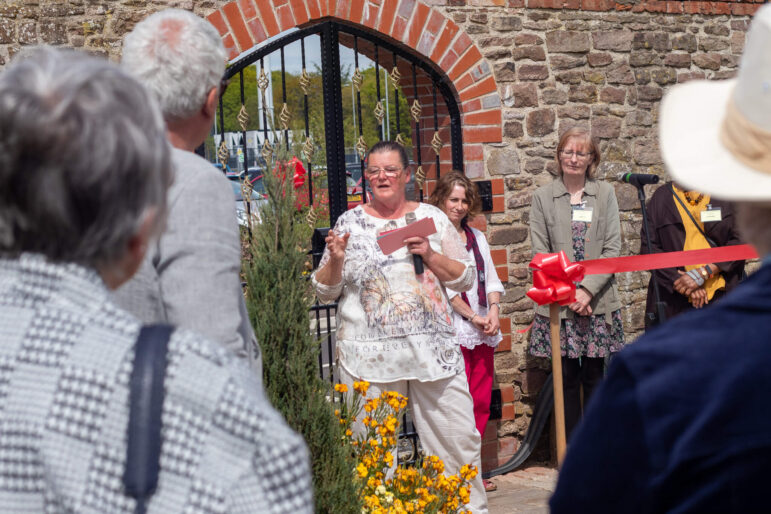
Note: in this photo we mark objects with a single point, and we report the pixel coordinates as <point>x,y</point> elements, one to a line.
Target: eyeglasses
<point>390,171</point>
<point>568,154</point>
<point>223,86</point>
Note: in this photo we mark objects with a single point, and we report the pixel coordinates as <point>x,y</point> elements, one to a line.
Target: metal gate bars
<point>282,106</point>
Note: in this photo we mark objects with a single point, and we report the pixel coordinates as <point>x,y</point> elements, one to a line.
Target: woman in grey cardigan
<point>579,215</point>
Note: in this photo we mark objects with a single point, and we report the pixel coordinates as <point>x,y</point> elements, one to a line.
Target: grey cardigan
<point>550,217</point>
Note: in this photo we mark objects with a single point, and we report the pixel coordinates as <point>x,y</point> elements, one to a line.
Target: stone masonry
<point>555,63</point>
<point>607,71</point>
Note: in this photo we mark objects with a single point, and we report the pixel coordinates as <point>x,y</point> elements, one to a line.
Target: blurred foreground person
<point>682,422</point>
<point>84,172</point>
<point>191,274</point>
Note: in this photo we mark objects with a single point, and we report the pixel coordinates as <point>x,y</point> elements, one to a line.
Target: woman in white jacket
<point>475,312</point>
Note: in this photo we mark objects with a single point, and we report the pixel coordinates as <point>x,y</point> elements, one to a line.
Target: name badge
<point>711,215</point>
<point>584,215</point>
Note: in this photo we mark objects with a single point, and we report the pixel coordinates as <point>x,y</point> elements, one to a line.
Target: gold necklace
<point>693,202</point>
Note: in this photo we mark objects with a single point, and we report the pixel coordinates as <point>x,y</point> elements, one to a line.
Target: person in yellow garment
<point>680,219</point>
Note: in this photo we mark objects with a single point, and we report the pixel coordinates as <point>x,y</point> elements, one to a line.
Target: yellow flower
<point>371,404</point>
<point>463,492</point>
<point>341,388</point>
<point>361,387</point>
<point>362,470</point>
<point>468,472</point>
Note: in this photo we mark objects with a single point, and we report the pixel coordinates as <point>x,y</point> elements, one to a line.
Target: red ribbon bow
<point>554,278</point>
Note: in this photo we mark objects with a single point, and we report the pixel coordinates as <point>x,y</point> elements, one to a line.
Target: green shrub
<point>278,299</point>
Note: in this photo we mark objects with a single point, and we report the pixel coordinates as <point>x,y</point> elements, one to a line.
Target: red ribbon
<point>554,278</point>
<point>669,259</point>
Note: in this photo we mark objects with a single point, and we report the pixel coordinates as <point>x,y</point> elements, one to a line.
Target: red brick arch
<point>246,23</point>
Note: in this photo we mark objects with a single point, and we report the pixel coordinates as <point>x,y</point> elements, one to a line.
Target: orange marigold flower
<point>341,388</point>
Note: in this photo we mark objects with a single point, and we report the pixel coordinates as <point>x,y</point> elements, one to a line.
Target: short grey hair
<point>83,158</point>
<point>179,57</point>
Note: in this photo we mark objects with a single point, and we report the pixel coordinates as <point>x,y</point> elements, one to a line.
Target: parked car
<point>228,171</point>
<point>255,178</point>
<point>254,206</point>
<point>254,172</point>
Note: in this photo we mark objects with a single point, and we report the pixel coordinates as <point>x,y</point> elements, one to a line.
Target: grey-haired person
<point>681,423</point>
<point>191,274</point>
<point>74,224</point>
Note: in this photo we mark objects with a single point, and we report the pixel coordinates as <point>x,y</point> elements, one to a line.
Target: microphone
<point>638,179</point>
<point>417,260</point>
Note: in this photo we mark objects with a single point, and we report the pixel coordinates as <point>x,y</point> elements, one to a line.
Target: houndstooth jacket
<point>65,358</point>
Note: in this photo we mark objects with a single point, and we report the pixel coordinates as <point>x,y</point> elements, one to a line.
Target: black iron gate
<point>367,55</point>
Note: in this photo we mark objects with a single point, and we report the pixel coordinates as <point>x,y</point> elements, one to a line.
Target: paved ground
<point>526,490</point>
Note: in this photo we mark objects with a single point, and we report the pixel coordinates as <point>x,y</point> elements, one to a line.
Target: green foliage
<point>368,98</point>
<point>278,300</point>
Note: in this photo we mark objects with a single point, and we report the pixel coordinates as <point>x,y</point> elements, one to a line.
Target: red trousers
<point>480,370</point>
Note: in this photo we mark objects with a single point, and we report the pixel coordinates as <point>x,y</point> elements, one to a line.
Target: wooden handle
<point>556,373</point>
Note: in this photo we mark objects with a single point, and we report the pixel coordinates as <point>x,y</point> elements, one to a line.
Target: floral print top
<point>583,336</point>
<point>391,323</point>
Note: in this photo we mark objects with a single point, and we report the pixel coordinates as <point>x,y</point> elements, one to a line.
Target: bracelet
<point>709,269</point>
<point>471,319</point>
<point>696,277</point>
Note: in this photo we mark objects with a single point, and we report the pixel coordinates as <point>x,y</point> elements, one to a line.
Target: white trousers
<point>443,413</point>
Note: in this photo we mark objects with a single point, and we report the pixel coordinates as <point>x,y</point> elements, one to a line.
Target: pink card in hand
<point>392,240</point>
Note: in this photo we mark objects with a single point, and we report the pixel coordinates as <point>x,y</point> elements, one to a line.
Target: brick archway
<point>426,31</point>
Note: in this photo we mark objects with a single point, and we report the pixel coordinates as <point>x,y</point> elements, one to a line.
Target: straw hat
<point>715,136</point>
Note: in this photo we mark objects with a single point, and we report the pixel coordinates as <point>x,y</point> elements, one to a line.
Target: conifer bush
<point>279,296</point>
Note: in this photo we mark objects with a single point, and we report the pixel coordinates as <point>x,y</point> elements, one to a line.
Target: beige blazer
<point>550,231</point>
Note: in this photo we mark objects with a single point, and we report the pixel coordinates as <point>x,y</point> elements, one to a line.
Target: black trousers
<point>586,372</point>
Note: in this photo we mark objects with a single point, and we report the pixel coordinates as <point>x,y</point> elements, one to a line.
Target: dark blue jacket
<point>682,422</point>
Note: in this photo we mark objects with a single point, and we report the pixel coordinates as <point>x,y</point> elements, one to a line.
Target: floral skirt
<point>582,336</point>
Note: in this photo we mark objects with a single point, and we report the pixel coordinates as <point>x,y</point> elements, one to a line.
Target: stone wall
<point>605,70</point>
<point>555,64</point>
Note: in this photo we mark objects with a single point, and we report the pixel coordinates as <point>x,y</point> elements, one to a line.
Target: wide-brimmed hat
<point>715,136</point>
